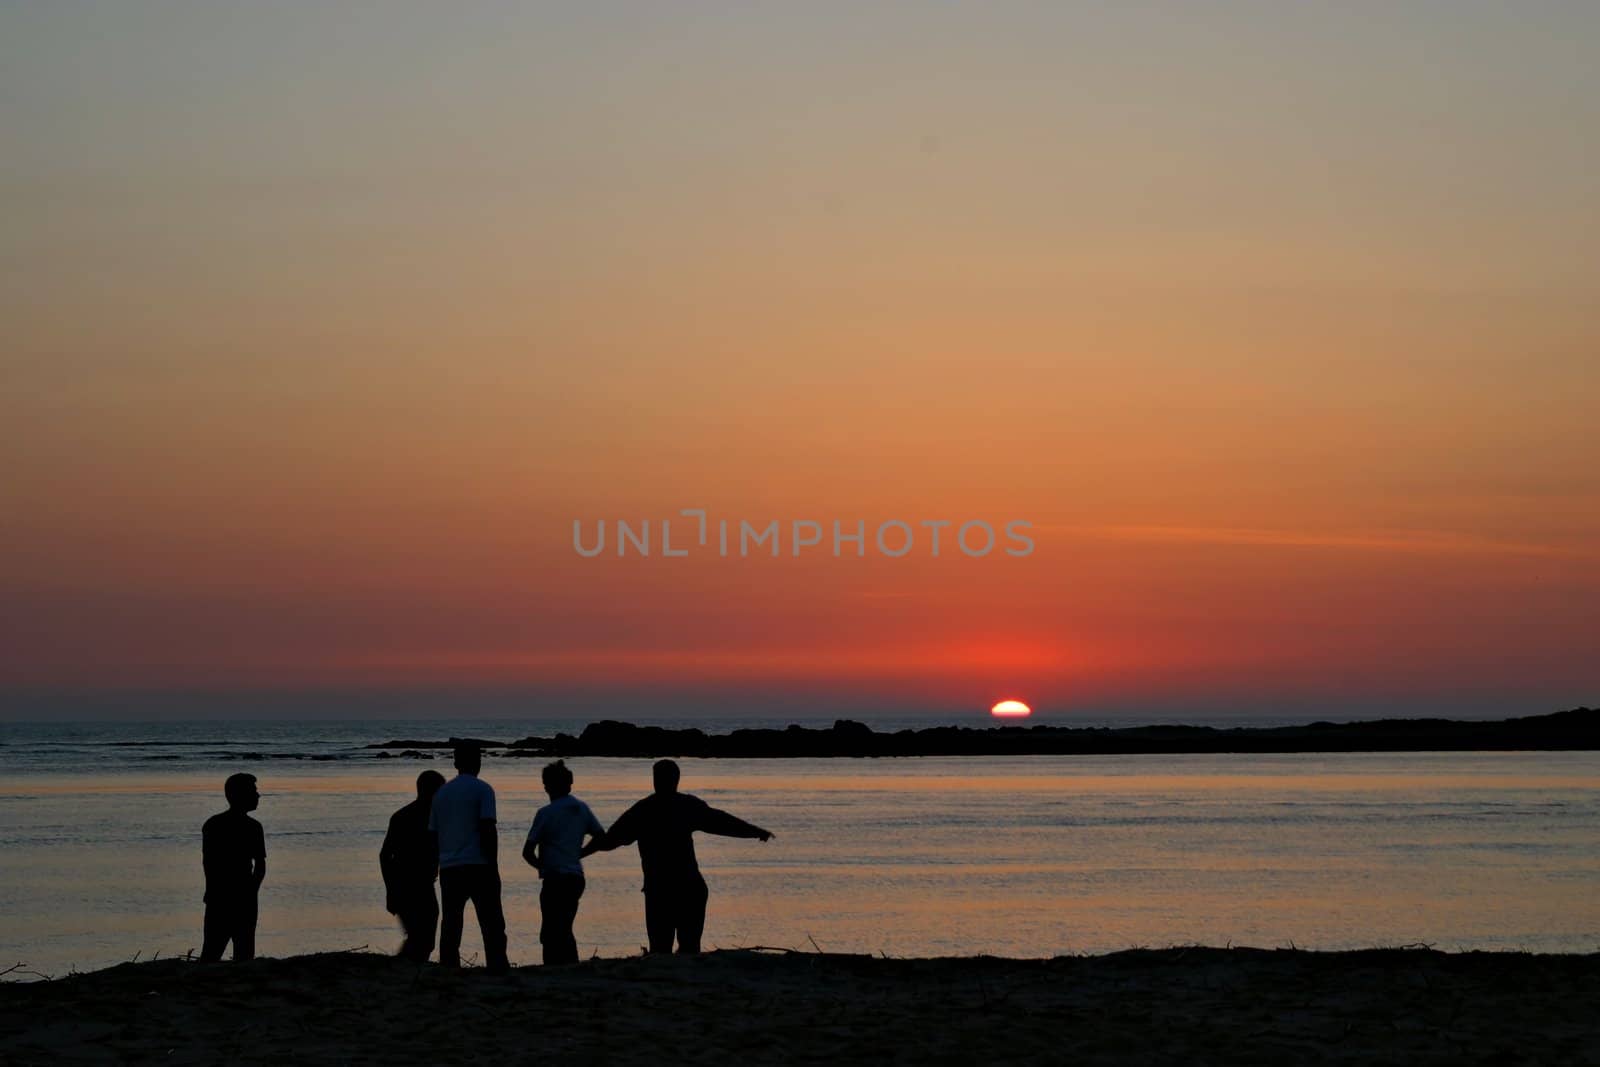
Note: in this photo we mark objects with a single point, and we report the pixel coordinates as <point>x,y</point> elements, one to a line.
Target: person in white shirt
<point>463,825</point>
<point>554,843</point>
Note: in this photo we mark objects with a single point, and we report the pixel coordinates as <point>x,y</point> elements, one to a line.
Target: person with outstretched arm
<point>234,853</point>
<point>663,824</point>
<point>462,822</point>
<point>410,867</point>
<point>554,844</point>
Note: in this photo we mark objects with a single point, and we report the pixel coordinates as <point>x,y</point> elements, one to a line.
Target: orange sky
<point>322,328</point>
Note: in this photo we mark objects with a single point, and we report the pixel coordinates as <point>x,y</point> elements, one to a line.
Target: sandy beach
<point>1190,1005</point>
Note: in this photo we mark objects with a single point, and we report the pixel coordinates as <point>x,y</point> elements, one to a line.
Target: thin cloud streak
<point>753,662</point>
<point>1425,542</point>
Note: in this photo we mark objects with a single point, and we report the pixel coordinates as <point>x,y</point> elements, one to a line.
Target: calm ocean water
<point>1021,856</point>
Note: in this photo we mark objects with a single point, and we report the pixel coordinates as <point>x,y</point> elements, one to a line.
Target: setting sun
<point>1011,709</point>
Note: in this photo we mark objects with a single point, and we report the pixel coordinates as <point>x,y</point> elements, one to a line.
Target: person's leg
<point>419,915</point>
<point>558,905</point>
<point>217,931</point>
<point>491,919</point>
<point>406,912</point>
<point>691,918</point>
<point>549,906</point>
<point>453,894</point>
<point>575,887</point>
<point>427,923</point>
<point>660,919</point>
<point>549,910</point>
<point>244,929</point>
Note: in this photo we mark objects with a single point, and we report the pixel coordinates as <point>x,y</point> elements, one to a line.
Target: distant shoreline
<point>1574,730</point>
<point>1191,1005</point>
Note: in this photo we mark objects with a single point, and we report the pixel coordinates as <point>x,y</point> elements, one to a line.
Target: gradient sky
<point>322,323</point>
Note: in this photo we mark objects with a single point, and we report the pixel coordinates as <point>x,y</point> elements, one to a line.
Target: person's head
<point>240,789</point>
<point>557,779</point>
<point>469,759</point>
<point>428,783</point>
<point>665,773</point>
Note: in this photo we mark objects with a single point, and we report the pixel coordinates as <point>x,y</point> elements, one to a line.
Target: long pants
<point>230,917</point>
<point>558,905</point>
<point>418,912</point>
<point>678,909</point>
<point>479,883</point>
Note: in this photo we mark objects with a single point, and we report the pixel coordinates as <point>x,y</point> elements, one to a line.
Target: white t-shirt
<point>457,808</point>
<point>558,830</point>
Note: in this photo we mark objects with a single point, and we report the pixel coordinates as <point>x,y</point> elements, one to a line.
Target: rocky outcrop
<point>1575,729</point>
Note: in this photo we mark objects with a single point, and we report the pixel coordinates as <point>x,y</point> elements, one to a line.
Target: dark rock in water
<point>481,742</point>
<point>1578,729</point>
<point>412,753</point>
<point>611,738</point>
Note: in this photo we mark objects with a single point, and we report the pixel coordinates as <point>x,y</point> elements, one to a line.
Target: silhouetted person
<point>234,852</point>
<point>410,867</point>
<point>462,822</point>
<point>555,843</point>
<point>663,824</point>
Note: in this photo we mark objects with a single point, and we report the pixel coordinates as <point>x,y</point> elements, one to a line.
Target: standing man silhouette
<point>554,843</point>
<point>410,866</point>
<point>463,828</point>
<point>234,853</point>
<point>664,824</point>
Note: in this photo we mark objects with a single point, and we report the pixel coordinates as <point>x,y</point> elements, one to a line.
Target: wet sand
<point>1188,1005</point>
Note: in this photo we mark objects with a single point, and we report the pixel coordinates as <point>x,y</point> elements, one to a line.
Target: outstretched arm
<point>600,843</point>
<point>716,821</point>
<point>623,832</point>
